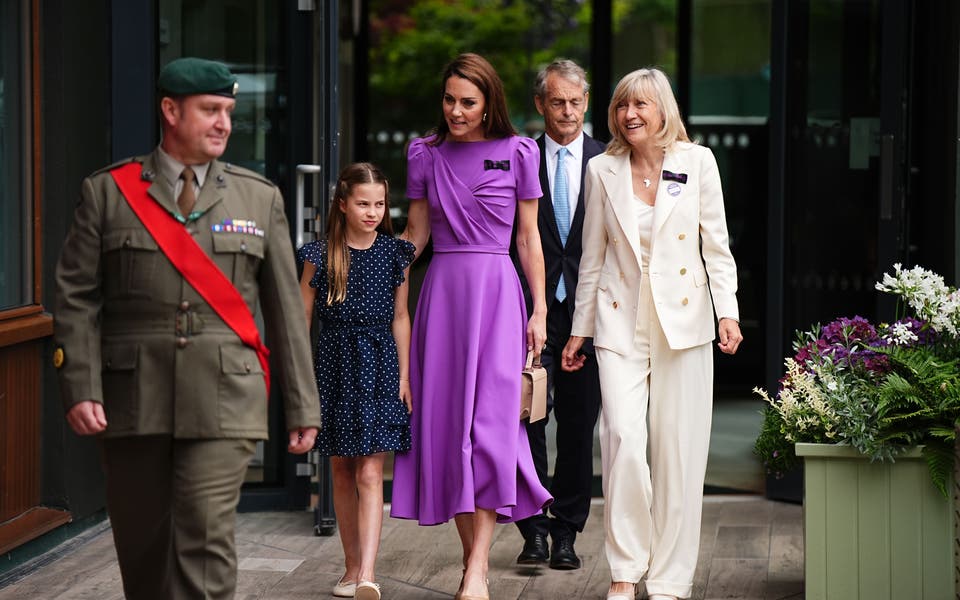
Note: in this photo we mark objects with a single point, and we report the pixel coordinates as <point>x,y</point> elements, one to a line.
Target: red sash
<point>191,261</point>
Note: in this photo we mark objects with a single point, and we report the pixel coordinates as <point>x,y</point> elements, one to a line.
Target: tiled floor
<point>751,549</point>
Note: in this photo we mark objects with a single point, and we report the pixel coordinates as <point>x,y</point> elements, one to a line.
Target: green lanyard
<point>193,216</point>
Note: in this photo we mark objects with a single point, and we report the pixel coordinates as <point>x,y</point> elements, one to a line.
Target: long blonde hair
<point>338,253</point>
<point>652,84</point>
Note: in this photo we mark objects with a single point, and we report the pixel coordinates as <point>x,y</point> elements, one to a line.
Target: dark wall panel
<point>75,107</point>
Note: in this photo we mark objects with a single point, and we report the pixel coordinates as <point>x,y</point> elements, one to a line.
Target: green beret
<point>186,76</point>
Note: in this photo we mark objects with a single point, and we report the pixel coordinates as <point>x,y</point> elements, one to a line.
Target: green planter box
<point>874,531</point>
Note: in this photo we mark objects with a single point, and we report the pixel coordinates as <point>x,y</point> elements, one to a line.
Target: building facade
<point>835,124</point>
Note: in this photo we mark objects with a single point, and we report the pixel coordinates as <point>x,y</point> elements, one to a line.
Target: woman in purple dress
<point>470,458</point>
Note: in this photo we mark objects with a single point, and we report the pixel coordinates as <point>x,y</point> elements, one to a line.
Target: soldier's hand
<point>87,418</point>
<point>302,440</point>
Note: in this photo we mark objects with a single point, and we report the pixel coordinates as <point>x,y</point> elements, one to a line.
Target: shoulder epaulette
<point>119,163</point>
<point>241,172</point>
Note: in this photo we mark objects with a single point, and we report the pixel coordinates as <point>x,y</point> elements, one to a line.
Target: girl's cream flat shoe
<point>345,589</point>
<point>367,590</point>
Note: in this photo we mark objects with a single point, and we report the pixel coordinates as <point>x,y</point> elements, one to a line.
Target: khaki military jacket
<point>138,338</point>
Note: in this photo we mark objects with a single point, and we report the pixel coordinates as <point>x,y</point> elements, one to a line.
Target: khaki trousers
<point>653,503</point>
<point>172,506</point>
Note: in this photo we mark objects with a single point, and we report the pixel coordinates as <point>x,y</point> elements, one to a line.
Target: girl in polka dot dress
<point>355,281</point>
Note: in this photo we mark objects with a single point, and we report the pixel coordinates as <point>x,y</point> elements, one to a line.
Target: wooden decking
<point>750,549</point>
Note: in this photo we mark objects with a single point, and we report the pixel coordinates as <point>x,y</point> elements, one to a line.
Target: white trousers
<point>653,504</point>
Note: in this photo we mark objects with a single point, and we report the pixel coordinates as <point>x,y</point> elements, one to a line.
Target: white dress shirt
<point>573,163</point>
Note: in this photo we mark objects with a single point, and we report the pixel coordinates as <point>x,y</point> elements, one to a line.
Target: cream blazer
<point>692,273</point>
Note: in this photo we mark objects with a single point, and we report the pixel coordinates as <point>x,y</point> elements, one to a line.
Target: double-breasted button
<point>684,302</point>
<point>246,366</point>
<point>184,306</point>
<point>682,236</point>
<point>616,241</point>
<point>182,342</point>
<point>683,270</point>
<point>616,304</point>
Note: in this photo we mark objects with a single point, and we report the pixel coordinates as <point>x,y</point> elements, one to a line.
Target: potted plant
<point>873,410</point>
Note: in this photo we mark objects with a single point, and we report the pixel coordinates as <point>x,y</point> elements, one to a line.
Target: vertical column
<point>133,37</point>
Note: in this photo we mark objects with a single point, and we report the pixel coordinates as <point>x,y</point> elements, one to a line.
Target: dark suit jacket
<point>556,258</point>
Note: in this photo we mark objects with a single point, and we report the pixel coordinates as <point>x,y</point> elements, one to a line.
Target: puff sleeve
<point>528,169</point>
<point>314,253</point>
<point>402,257</point>
<point>418,168</point>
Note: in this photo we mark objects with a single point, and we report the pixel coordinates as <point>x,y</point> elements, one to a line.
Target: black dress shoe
<point>534,550</point>
<point>563,556</point>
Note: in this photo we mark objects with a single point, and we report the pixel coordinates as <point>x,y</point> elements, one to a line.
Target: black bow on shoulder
<point>503,165</point>
<point>680,177</point>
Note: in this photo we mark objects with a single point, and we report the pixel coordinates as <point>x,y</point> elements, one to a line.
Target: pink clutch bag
<point>533,390</point>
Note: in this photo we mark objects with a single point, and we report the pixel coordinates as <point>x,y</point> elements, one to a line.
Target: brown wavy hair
<point>338,254</point>
<point>475,69</point>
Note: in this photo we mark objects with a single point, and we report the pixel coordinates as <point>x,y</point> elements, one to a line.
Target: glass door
<point>269,46</point>
<point>839,149</point>
<point>845,150</point>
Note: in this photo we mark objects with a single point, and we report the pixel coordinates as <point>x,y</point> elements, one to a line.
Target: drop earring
<point>484,117</point>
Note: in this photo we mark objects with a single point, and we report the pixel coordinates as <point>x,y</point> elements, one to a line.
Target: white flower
<point>927,295</point>
<point>901,334</point>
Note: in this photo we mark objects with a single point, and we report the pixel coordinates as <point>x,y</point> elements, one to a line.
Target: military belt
<point>183,323</point>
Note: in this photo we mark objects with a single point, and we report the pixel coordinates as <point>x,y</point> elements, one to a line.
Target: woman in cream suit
<point>656,269</point>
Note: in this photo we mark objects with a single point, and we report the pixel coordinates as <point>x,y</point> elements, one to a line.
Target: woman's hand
<point>730,336</point>
<point>572,359</point>
<point>406,395</point>
<point>537,332</point>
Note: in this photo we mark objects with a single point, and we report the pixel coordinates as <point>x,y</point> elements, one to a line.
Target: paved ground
<point>751,549</point>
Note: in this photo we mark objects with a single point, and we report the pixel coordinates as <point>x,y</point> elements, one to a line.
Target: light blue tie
<point>561,209</point>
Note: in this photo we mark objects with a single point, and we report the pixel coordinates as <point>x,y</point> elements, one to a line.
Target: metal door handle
<point>301,209</point>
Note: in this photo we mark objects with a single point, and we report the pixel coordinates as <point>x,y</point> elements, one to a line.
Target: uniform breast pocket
<point>241,396</point>
<point>129,263</point>
<point>239,255</point>
<point>120,385</point>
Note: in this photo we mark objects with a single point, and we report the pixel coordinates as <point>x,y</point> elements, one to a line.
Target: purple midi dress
<point>469,448</point>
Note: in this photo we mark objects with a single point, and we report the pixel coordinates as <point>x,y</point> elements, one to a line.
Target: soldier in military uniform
<point>157,367</point>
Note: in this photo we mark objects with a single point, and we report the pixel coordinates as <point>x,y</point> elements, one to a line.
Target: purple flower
<point>846,331</point>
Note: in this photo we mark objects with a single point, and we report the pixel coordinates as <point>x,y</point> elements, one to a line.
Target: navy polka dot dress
<point>356,360</point>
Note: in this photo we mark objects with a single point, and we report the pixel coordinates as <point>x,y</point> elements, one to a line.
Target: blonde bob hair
<point>648,84</point>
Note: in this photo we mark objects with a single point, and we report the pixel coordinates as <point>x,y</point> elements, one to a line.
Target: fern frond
<point>940,459</point>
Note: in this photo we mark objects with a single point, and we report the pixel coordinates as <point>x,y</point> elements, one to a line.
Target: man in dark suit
<point>561,95</point>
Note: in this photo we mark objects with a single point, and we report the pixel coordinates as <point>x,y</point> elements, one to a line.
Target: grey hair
<point>565,68</point>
